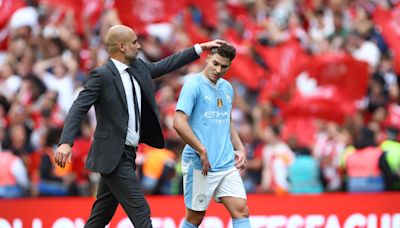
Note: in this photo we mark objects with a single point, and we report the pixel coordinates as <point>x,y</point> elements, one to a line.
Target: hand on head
<point>211,44</point>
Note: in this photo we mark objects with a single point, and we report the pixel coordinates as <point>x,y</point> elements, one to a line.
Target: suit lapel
<point>144,86</point>
<point>134,72</point>
<point>118,82</point>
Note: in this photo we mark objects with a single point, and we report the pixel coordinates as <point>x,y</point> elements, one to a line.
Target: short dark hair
<point>225,50</point>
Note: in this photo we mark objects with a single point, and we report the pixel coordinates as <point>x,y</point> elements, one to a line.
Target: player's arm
<point>181,125</point>
<point>240,151</point>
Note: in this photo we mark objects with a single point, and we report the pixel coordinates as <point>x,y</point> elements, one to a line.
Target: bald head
<point>117,34</point>
<point>122,44</point>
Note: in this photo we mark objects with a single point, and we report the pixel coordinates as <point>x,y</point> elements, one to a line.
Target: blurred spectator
<point>363,172</point>
<point>9,82</point>
<point>377,96</point>
<point>4,106</point>
<point>14,180</point>
<point>327,150</point>
<point>276,158</point>
<point>390,159</point>
<point>304,174</point>
<point>252,174</point>
<point>177,181</point>
<point>347,139</point>
<point>58,75</point>
<point>158,169</point>
<point>17,140</point>
<point>54,181</point>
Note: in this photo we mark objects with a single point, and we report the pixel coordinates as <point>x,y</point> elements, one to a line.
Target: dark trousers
<point>120,186</point>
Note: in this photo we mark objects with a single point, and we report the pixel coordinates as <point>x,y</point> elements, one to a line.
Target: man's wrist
<point>202,151</point>
<point>198,49</point>
<point>67,143</point>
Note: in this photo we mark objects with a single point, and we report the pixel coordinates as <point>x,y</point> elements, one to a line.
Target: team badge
<point>219,103</point>
<point>201,199</point>
<point>228,98</point>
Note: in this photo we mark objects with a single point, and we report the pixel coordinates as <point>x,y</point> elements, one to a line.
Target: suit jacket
<point>104,90</point>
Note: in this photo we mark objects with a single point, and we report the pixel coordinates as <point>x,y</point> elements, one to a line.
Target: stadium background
<point>317,106</point>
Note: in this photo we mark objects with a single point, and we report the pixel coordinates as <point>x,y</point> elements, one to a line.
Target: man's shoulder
<point>193,79</point>
<point>102,70</point>
<point>140,63</point>
<point>99,69</point>
<point>226,84</point>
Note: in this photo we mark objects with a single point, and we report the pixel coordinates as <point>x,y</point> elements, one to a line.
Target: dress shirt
<point>132,137</point>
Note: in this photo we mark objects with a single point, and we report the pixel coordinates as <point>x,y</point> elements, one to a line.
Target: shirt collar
<point>121,67</point>
<point>209,81</point>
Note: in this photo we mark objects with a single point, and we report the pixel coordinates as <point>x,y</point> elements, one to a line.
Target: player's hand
<point>211,44</point>
<point>204,162</point>
<point>63,155</point>
<point>240,159</point>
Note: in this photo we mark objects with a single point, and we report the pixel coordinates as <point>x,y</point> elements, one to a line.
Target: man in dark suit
<point>123,96</point>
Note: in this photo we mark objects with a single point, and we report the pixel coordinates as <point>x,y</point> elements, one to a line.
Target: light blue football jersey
<point>209,109</point>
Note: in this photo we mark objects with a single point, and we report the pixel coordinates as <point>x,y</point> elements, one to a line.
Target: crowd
<point>46,57</point>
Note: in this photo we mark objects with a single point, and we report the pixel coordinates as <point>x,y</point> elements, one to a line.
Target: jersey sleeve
<point>187,98</point>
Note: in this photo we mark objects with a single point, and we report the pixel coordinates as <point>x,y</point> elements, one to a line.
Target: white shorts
<point>199,189</point>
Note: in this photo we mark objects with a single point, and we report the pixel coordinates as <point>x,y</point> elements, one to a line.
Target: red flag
<point>237,8</point>
<point>389,23</point>
<point>338,80</point>
<point>7,8</point>
<point>139,13</point>
<point>92,10</point>
<point>285,61</point>
<point>250,30</point>
<point>86,12</point>
<point>342,70</point>
<point>326,102</point>
<point>245,70</point>
<point>281,58</point>
<point>4,36</point>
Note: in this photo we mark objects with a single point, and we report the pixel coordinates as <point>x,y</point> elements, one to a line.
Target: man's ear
<point>121,46</point>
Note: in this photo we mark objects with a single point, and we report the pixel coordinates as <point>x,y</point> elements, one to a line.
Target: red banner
<point>139,13</point>
<point>339,81</point>
<point>86,12</point>
<point>285,61</point>
<point>243,68</point>
<point>7,8</point>
<point>319,104</point>
<point>341,70</point>
<point>389,23</point>
<point>380,210</point>
<point>246,71</point>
